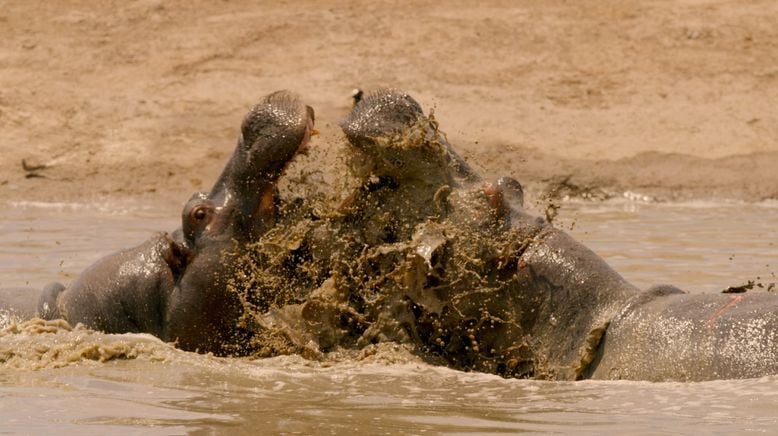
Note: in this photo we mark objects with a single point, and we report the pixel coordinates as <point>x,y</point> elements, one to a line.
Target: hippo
<point>174,285</point>
<point>422,251</point>
<point>425,252</point>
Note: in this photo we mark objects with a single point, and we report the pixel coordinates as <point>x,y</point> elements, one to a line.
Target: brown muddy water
<point>70,382</point>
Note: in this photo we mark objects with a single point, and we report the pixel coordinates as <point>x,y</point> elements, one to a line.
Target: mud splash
<point>415,253</point>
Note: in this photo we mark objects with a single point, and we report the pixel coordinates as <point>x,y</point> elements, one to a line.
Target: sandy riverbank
<point>673,100</point>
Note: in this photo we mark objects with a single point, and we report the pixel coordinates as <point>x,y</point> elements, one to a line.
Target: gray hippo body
<point>676,336</point>
<point>423,252</point>
<point>122,292</point>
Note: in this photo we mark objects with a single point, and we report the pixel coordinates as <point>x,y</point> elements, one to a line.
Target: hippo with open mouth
<point>174,286</point>
<point>423,252</point>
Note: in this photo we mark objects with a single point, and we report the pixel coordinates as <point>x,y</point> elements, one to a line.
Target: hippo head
<point>204,313</point>
<point>391,137</point>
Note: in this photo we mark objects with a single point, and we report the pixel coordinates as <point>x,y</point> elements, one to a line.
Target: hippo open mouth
<point>272,133</point>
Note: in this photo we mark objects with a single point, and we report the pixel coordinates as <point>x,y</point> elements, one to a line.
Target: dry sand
<point>671,99</point>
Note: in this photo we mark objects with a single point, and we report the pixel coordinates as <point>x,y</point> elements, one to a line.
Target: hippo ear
<point>381,113</point>
<point>176,255</point>
<point>47,302</point>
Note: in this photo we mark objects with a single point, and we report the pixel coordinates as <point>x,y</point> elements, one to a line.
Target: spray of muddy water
<point>413,253</point>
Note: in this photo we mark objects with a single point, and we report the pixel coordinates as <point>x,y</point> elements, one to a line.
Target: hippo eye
<point>199,214</point>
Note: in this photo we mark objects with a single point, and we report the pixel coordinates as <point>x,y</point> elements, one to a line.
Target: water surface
<point>701,247</point>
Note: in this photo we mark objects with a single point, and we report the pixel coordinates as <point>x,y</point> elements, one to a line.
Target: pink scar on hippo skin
<point>722,309</point>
